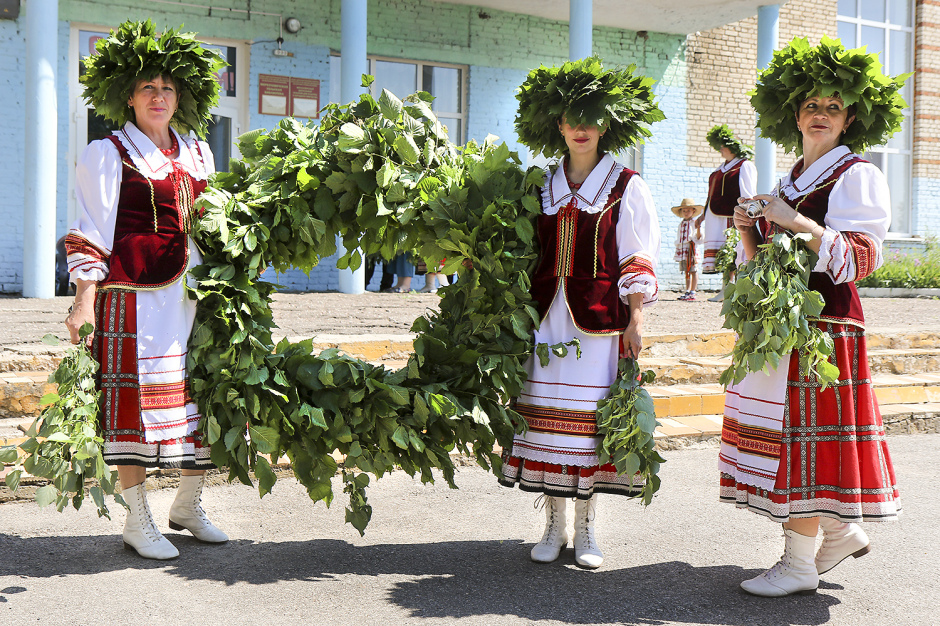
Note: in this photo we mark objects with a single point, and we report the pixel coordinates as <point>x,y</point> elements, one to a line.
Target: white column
<point>39,153</point>
<point>580,29</point>
<point>354,65</point>
<point>765,152</point>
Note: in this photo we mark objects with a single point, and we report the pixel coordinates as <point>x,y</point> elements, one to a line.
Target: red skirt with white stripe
<point>834,459</point>
<point>147,416</point>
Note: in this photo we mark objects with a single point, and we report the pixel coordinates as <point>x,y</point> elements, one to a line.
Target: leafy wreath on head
<point>800,70</point>
<point>721,135</point>
<point>583,92</point>
<point>136,52</point>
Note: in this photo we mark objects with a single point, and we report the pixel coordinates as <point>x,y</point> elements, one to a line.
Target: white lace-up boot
<point>795,572</point>
<point>186,512</point>
<point>555,537</point>
<point>140,531</point>
<point>586,551</point>
<point>840,541</point>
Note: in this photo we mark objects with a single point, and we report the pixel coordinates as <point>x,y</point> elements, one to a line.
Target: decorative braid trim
<point>144,168</point>
<point>551,205</point>
<point>791,192</point>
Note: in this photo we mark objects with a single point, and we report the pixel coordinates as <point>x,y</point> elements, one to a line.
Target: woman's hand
<point>633,333</point>
<point>82,311</point>
<point>632,340</point>
<point>777,211</point>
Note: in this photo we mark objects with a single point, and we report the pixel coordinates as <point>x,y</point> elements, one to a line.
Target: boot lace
<point>553,527</point>
<point>585,533</point>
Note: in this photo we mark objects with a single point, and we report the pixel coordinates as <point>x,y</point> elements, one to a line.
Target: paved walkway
<point>433,556</point>
<point>25,321</point>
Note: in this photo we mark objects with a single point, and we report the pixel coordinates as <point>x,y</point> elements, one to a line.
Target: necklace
<point>173,147</point>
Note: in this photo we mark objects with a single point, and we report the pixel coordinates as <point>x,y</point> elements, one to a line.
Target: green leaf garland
<point>616,100</point>
<point>799,71</point>
<point>383,175</point>
<point>722,135</point>
<point>136,52</point>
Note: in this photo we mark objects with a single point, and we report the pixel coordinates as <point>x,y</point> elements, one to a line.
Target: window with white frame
<point>447,83</point>
<point>886,27</point>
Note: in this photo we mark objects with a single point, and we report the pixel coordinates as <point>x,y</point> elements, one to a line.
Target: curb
<point>897,292</point>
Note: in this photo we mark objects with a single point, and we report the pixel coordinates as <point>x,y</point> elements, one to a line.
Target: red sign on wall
<point>287,96</point>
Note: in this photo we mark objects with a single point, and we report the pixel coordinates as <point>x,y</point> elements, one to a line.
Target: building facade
<point>471,59</point>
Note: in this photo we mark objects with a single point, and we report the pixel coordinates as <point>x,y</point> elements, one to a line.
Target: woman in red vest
<point>599,238</point>
<point>128,253</point>
<point>807,457</point>
<point>735,178</point>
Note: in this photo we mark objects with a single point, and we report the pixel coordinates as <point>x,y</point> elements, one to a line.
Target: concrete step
<point>708,399</point>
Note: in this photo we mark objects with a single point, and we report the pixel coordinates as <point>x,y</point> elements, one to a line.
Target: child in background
<point>689,245</point>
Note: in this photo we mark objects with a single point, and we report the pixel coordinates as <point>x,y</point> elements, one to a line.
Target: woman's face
<point>726,153</point>
<point>822,121</point>
<point>154,102</point>
<point>580,139</point>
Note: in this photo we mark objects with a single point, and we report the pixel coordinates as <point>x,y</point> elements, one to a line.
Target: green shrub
<point>908,270</point>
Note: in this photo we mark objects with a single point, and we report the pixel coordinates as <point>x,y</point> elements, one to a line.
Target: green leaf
<point>46,495</point>
<point>266,476</point>
<point>264,438</point>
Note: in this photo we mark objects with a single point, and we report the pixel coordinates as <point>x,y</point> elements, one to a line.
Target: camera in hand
<point>754,208</point>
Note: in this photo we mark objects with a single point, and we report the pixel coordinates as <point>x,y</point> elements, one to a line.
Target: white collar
<point>816,173</point>
<point>594,190</point>
<point>152,163</point>
<point>727,165</point>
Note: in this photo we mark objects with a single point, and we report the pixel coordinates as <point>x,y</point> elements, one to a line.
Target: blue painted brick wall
<point>12,51</point>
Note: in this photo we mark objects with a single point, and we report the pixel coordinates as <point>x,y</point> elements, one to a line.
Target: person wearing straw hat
<point>129,251</point>
<point>688,245</point>
<point>735,178</point>
<point>811,458</point>
<point>599,237</point>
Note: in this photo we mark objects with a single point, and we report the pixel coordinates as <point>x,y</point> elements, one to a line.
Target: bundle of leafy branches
<point>625,423</point>
<point>63,445</point>
<point>727,256</point>
<point>770,307</point>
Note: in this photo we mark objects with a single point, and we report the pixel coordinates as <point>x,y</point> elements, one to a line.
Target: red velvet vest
<point>154,217</point>
<point>579,254</point>
<point>724,190</point>
<point>842,301</point>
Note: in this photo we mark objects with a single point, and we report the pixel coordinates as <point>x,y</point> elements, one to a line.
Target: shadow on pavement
<point>448,579</point>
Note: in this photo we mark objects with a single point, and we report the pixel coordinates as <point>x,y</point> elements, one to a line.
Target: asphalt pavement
<point>433,555</point>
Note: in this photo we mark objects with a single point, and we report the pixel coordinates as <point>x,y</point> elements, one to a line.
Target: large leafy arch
<point>383,175</point>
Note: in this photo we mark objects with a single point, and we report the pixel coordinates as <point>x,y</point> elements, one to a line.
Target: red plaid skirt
<point>834,460</point>
<point>115,349</point>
